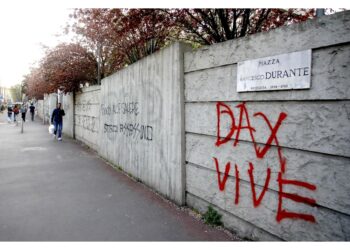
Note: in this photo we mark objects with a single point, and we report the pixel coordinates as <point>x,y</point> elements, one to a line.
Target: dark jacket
<point>32,108</point>
<point>57,115</point>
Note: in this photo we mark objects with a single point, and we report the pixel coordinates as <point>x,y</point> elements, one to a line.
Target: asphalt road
<point>62,191</point>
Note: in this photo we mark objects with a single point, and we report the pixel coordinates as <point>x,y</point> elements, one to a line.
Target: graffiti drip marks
<point>87,122</point>
<point>83,107</point>
<point>133,130</point>
<point>234,132</point>
<point>237,185</point>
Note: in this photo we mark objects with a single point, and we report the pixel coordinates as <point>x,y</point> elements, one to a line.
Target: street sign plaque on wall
<point>280,72</point>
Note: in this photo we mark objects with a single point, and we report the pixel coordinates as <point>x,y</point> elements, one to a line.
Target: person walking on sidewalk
<point>15,113</point>
<point>32,111</point>
<point>9,113</point>
<point>57,121</point>
<point>24,112</point>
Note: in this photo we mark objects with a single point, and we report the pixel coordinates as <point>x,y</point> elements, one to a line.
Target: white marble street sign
<point>280,72</point>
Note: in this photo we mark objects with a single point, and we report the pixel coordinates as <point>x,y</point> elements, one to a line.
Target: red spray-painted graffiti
<point>223,109</point>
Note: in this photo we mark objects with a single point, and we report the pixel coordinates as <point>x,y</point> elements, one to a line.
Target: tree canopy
<point>107,40</point>
<point>66,65</point>
<point>208,26</point>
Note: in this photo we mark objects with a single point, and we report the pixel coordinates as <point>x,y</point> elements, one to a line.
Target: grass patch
<point>212,217</point>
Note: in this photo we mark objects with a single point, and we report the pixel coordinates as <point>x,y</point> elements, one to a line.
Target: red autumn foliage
<point>34,84</point>
<point>69,65</point>
<point>121,36</point>
<point>126,35</point>
<point>66,65</point>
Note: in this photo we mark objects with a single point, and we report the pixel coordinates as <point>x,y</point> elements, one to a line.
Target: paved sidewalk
<point>62,191</point>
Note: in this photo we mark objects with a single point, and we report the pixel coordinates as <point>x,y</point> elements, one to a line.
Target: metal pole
<point>22,126</point>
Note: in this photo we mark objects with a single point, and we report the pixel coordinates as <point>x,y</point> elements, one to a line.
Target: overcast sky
<point>23,31</point>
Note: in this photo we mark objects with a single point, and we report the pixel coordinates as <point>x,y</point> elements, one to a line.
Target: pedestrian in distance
<point>32,111</point>
<point>57,121</point>
<point>23,112</point>
<point>9,113</point>
<point>15,113</point>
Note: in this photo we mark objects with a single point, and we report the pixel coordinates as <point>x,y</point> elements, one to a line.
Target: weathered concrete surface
<point>314,138</point>
<point>61,191</point>
<point>330,81</point>
<point>87,114</point>
<point>142,123</point>
<point>313,126</point>
<point>330,226</point>
<point>329,173</point>
<point>46,111</point>
<point>39,110</point>
<point>241,227</point>
<point>49,104</point>
<point>68,119</point>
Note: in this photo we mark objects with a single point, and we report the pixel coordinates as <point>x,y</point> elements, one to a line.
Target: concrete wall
<point>49,104</point>
<point>40,109</point>
<point>46,115</point>
<point>141,121</point>
<point>68,119</point>
<point>87,115</point>
<point>311,146</point>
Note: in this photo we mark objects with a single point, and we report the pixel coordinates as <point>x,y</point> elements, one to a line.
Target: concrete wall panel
<point>328,173</point>
<point>314,126</point>
<point>329,227</point>
<point>309,149</point>
<point>87,115</point>
<point>40,109</point>
<point>68,121</point>
<point>49,104</point>
<point>242,228</point>
<point>330,80</point>
<point>141,121</point>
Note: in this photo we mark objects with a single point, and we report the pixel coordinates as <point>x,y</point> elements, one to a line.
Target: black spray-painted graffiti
<point>86,122</point>
<point>134,130</point>
<point>127,108</point>
<point>83,107</point>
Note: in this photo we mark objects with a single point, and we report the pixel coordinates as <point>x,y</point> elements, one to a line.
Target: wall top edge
<point>176,45</point>
<point>91,88</point>
<point>318,21</point>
